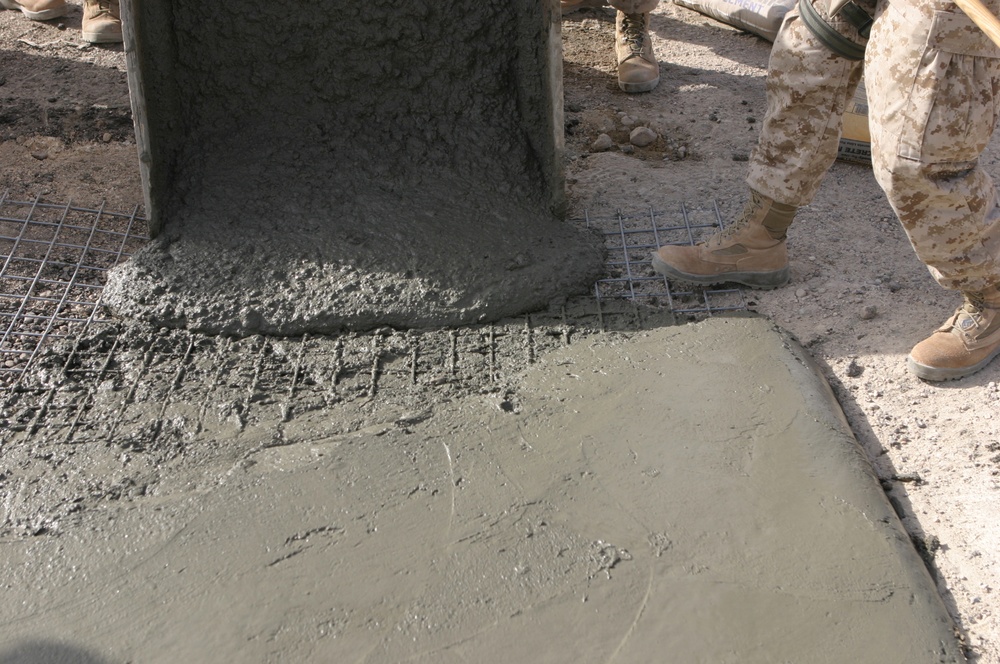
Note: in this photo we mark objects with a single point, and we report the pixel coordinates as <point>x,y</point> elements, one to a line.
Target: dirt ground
<point>858,301</point>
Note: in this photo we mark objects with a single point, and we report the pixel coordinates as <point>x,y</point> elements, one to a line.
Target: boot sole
<point>639,87</point>
<point>937,374</point>
<point>106,32</point>
<point>759,280</point>
<point>98,38</point>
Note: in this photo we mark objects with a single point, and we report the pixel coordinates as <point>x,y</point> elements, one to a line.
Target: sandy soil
<point>858,301</point>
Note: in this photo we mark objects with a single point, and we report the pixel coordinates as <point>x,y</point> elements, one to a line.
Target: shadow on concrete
<point>45,651</point>
<point>894,482</point>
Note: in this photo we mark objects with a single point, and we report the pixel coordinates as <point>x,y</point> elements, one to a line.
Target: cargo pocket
<point>950,112</point>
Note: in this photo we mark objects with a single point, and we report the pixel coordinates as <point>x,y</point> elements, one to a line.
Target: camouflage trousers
<point>933,84</point>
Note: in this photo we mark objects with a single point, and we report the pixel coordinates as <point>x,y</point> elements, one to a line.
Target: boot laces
<point>750,210</point>
<point>103,7</point>
<point>634,32</point>
<point>970,314</point>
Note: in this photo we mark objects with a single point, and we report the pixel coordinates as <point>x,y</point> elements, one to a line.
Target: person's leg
<point>808,89</point>
<point>638,70</point>
<point>933,104</point>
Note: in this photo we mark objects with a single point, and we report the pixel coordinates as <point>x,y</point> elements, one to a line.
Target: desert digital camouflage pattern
<point>931,77</point>
<point>808,89</point>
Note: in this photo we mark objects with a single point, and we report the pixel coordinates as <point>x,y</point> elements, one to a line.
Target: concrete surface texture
<point>611,516</point>
<point>860,299</point>
<point>325,168</point>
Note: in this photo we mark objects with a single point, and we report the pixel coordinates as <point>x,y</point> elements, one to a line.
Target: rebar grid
<point>54,261</point>
<point>90,381</point>
<point>55,258</point>
<point>630,242</point>
<point>149,392</point>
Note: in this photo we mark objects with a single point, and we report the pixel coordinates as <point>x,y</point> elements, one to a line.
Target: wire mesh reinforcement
<point>53,262</point>
<point>54,259</point>
<point>631,239</point>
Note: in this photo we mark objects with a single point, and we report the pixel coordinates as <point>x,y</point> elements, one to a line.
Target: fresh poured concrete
<point>686,494</point>
<point>345,165</point>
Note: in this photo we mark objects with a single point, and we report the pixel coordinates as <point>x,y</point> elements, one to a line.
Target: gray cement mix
<point>688,493</point>
<point>326,168</point>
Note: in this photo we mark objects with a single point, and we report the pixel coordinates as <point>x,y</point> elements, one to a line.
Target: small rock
<point>628,149</point>
<point>40,155</point>
<point>801,293</point>
<point>854,369</point>
<point>741,156</point>
<point>642,137</point>
<point>602,144</point>
<point>682,152</point>
<point>869,312</point>
<point>106,137</point>
<point>627,120</point>
<point>573,107</point>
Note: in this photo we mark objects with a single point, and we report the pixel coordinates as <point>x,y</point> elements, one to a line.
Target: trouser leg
<point>808,90</point>
<point>933,79</point>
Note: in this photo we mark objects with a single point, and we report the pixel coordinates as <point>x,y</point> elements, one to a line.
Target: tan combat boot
<point>966,343</point>
<point>38,10</point>
<point>570,6</point>
<point>638,70</point>
<point>751,251</point>
<point>102,22</point>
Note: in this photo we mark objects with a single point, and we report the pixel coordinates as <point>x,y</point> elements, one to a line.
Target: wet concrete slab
<point>686,494</point>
